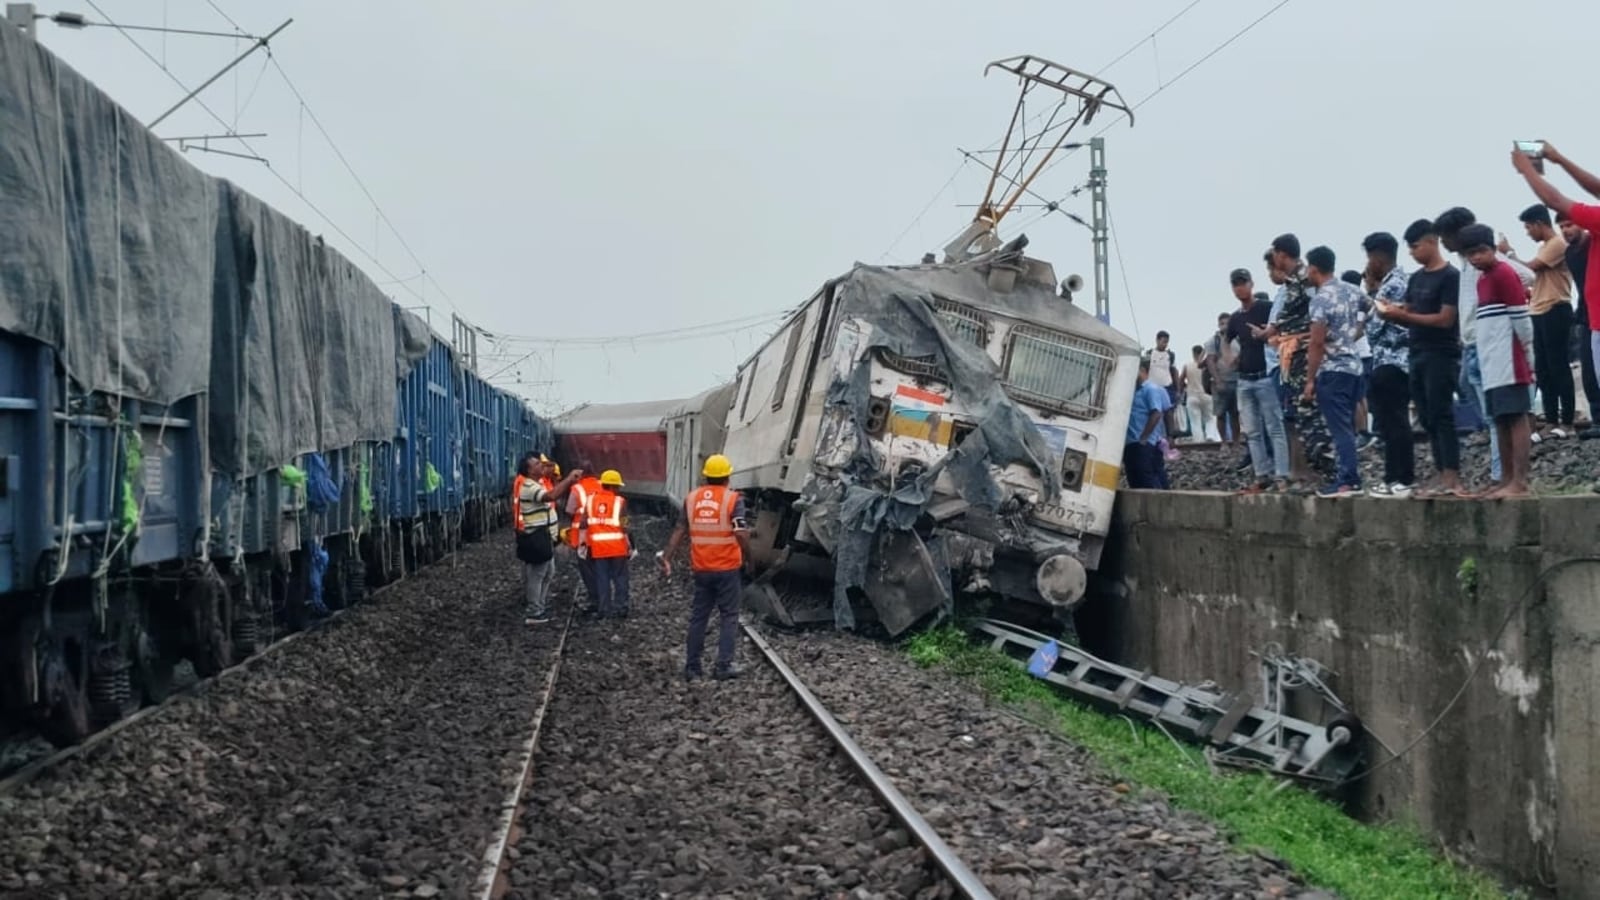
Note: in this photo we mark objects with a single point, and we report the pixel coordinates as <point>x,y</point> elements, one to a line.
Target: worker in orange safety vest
<point>577,500</point>
<point>714,521</point>
<point>605,538</point>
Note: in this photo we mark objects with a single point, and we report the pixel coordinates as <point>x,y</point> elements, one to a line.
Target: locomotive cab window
<point>1057,372</point>
<point>749,388</point>
<point>965,325</point>
<point>796,329</point>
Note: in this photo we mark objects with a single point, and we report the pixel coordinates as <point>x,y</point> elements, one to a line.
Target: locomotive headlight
<point>1073,463</point>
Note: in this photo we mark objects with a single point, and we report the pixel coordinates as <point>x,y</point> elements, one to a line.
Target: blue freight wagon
<point>213,428</point>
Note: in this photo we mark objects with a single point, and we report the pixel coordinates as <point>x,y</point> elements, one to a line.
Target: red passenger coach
<point>628,437</point>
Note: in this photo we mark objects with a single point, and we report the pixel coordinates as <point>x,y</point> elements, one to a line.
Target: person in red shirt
<point>1584,215</point>
<point>1504,338</point>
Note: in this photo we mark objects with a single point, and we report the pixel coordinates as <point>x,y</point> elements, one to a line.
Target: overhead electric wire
<point>328,220</point>
<point>221,12</point>
<point>239,111</point>
<point>993,147</point>
<point>1127,291</point>
<point>602,342</point>
<point>645,336</point>
<point>1169,83</point>
<point>931,201</point>
<point>356,177</point>
<point>1054,205</point>
<point>377,207</point>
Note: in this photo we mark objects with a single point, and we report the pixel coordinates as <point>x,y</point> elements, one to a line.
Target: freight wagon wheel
<point>208,599</point>
<point>151,669</point>
<point>66,719</point>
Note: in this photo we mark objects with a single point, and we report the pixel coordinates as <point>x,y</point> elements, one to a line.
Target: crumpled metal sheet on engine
<point>854,502</point>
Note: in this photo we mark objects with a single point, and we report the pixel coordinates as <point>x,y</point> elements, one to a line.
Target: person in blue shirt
<point>1142,460</point>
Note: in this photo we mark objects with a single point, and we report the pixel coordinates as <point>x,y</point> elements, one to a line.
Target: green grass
<point>1326,847</point>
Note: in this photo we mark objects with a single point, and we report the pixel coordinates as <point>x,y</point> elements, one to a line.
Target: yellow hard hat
<point>717,466</point>
<point>611,478</point>
<point>557,469</point>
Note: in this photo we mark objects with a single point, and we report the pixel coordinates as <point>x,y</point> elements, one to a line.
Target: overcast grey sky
<point>572,169</point>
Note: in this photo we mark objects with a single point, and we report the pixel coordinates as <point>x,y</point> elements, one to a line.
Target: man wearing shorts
<point>1505,356</point>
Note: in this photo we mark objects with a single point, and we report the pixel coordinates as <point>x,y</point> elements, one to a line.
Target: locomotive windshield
<point>964,323</point>
<point>1057,372</point>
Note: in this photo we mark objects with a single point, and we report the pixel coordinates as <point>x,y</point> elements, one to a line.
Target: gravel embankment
<point>1562,465</point>
<point>368,759</point>
<point>1033,816</point>
<point>645,786</point>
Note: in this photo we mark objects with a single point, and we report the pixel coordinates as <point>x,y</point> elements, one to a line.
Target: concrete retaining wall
<point>1402,599</point>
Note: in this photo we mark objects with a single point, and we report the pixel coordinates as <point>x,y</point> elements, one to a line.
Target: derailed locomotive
<point>213,428</point>
<point>912,433</point>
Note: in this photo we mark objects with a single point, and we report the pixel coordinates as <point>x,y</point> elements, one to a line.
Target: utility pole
<point>1100,227</point>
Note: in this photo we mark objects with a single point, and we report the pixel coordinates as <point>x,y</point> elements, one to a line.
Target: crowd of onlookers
<point>1332,363</point>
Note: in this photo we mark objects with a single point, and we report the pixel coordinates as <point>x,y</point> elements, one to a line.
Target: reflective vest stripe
<point>580,492</point>
<point>527,510</point>
<point>602,517</point>
<point>553,519</point>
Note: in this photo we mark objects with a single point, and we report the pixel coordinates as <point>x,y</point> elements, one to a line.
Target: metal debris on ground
<point>1237,730</point>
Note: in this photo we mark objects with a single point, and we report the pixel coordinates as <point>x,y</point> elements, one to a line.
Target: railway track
<point>493,882</point>
<point>639,784</point>
<point>951,864</point>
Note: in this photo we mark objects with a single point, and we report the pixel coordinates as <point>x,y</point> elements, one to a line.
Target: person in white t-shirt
<point>1164,375</point>
<point>1198,401</point>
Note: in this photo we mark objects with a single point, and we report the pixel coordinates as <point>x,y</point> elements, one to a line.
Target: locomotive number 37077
<point>1072,516</point>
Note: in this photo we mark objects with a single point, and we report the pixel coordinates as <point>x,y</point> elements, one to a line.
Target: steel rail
<point>490,884</point>
<point>946,859</point>
<point>29,771</point>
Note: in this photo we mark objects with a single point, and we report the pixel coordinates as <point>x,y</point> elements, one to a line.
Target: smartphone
<point>1534,149</point>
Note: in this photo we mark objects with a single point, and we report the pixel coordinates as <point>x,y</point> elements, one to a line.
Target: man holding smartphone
<point>1583,215</point>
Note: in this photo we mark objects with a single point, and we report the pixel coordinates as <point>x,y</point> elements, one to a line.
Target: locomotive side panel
<point>768,406</point>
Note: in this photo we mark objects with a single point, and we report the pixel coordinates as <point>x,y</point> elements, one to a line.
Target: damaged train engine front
<point>917,433</point>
